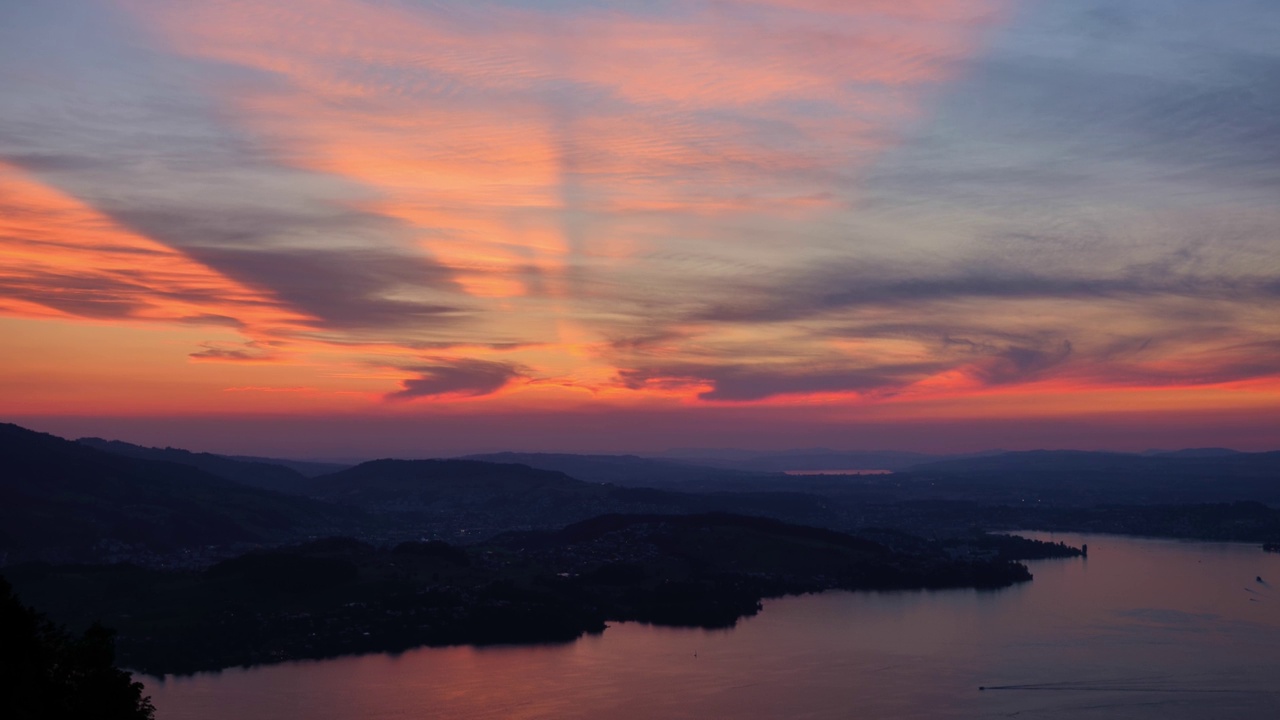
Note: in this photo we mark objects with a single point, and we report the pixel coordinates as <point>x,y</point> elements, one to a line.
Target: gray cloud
<point>743,383</point>
<point>342,288</point>
<point>1204,373</point>
<point>375,284</point>
<point>993,359</point>
<point>1019,364</point>
<point>211,319</point>
<point>106,294</point>
<point>91,297</point>
<point>1144,99</point>
<point>465,377</point>
<point>56,162</point>
<point>244,352</point>
<point>817,291</point>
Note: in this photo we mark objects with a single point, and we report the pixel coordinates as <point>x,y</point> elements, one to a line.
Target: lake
<point>1142,628</point>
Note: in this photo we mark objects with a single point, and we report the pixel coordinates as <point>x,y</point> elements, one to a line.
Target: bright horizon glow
<point>616,226</point>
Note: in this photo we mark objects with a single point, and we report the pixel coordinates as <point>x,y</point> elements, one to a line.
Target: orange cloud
<point>456,123</point>
<point>554,161</point>
<point>65,259</point>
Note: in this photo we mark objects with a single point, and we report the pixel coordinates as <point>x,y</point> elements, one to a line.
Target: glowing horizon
<point>743,214</point>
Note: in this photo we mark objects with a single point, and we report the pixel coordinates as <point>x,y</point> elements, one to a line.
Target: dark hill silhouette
<point>338,596</point>
<point>791,497</point>
<point>269,476</point>
<point>487,498</point>
<point>63,500</point>
<point>432,481</point>
<point>635,471</point>
<point>1199,453</point>
<point>462,498</point>
<point>306,468</point>
<point>596,527</point>
<point>774,461</point>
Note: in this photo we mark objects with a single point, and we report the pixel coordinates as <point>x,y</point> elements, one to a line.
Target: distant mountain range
<point>96,500</point>
<point>1087,478</point>
<point>100,499</point>
<point>636,471</point>
<point>255,472</point>
<point>803,459</point>
<point>468,498</point>
<point>1194,453</point>
<point>61,499</point>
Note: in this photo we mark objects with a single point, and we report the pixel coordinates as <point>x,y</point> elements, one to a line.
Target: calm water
<point>1141,629</point>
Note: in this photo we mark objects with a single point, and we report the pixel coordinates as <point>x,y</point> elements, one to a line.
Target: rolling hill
<point>62,500</point>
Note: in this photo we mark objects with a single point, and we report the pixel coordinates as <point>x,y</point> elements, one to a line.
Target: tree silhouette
<point>48,674</point>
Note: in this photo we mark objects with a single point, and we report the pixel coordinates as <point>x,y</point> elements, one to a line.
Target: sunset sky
<point>349,228</point>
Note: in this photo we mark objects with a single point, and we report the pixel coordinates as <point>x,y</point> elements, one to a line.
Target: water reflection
<point>1142,628</point>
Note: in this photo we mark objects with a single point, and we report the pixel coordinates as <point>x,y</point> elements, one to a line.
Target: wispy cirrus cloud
<point>517,139</point>
<point>64,258</point>
<point>755,201</point>
<point>237,352</point>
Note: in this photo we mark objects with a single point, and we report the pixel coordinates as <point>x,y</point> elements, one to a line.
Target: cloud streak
<point>71,260</point>
<point>458,378</point>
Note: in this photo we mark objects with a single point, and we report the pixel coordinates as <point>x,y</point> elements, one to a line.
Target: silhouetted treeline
<point>48,674</point>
